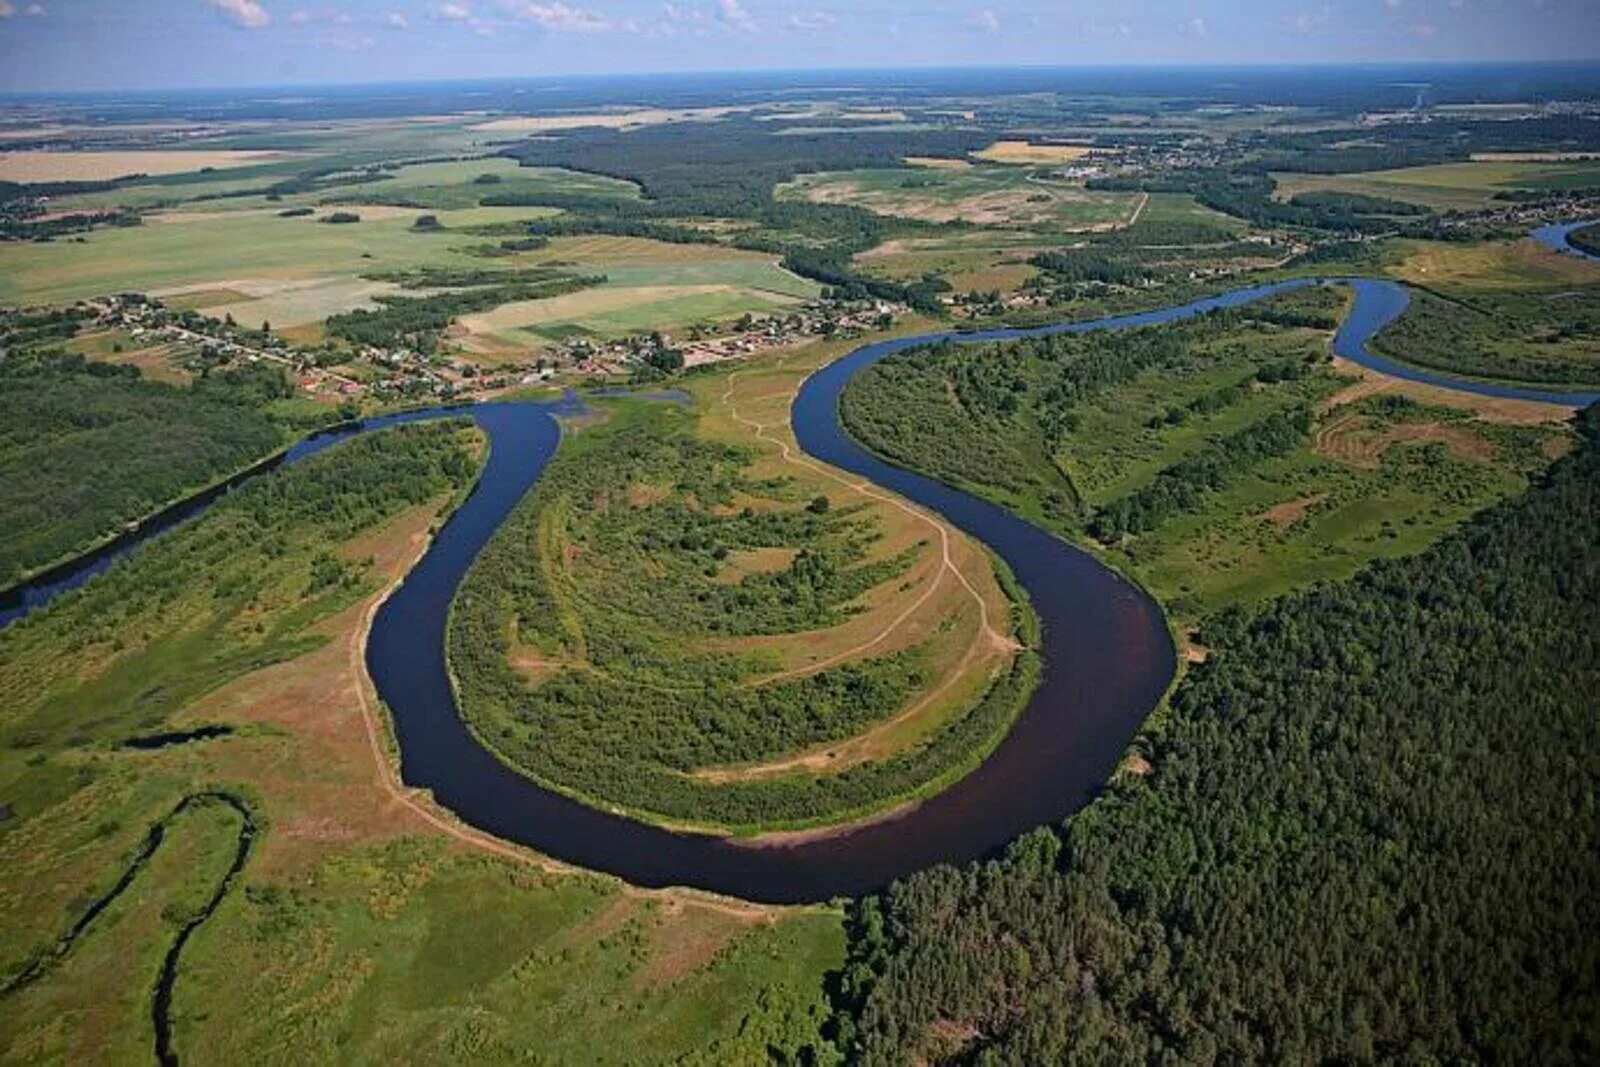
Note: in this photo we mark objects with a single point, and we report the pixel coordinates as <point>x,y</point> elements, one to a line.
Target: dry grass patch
<point>1025,152</point>
<point>101,166</point>
<point>1355,440</point>
<point>1500,410</point>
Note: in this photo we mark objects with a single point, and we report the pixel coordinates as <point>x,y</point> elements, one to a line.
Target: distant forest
<point>1365,829</point>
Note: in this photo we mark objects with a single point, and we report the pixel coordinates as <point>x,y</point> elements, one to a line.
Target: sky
<point>54,45</point>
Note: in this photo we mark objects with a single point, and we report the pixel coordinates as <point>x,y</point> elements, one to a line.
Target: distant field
<point>297,271</point>
<point>616,120</point>
<point>245,252</point>
<point>1448,186</point>
<point>649,286</point>
<point>1026,153</point>
<point>986,196</point>
<point>99,166</point>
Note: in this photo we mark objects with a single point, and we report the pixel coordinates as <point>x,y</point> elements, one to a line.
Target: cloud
<point>454,12</point>
<point>1197,27</point>
<point>397,21</point>
<point>1307,21</point>
<point>558,17</point>
<point>247,13</point>
<point>732,13</point>
<point>812,20</point>
<point>985,20</point>
<point>34,10</point>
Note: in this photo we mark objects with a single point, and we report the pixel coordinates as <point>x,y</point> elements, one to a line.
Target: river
<point>1107,653</point>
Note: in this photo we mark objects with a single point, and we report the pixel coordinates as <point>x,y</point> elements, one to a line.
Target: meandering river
<point>1107,653</point>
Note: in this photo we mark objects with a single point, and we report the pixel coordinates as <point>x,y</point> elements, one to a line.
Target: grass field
<point>1511,310</point>
<point>1028,154</point>
<point>1384,468</point>
<point>100,166</point>
<point>358,929</point>
<point>1448,186</point>
<point>650,285</point>
<point>994,259</point>
<point>988,196</point>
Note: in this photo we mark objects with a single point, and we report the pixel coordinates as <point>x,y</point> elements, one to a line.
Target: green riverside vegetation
<point>1547,336</point>
<point>1201,456</point>
<point>582,638</point>
<point>86,447</point>
<point>1362,832</point>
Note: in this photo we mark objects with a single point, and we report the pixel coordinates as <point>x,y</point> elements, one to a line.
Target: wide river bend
<point>1107,653</point>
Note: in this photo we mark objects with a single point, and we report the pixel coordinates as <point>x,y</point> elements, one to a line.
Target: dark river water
<point>1107,655</point>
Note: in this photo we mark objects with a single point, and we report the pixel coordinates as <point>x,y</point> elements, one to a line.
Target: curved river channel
<point>1107,653</point>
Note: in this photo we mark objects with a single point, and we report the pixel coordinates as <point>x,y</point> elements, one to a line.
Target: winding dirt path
<point>838,754</point>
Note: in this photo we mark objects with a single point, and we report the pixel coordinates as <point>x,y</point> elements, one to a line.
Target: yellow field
<point>937,163</point>
<point>1024,152</point>
<point>100,166</point>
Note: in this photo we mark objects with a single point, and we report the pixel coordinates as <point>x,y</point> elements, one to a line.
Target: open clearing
<point>1447,186</point>
<point>100,166</point>
<point>649,285</point>
<point>367,924</point>
<point>983,196</point>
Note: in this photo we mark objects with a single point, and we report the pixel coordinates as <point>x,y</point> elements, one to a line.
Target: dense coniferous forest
<point>1364,830</point>
<point>86,447</point>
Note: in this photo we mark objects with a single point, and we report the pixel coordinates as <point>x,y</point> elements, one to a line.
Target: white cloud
<point>247,13</point>
<point>455,12</point>
<point>1308,21</point>
<point>985,20</point>
<point>558,16</point>
<point>732,13</point>
<point>1197,26</point>
<point>812,20</point>
<point>397,21</point>
<point>34,10</point>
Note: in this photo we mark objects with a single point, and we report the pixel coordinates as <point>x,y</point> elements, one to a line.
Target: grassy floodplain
<point>356,929</point>
<point>1500,310</point>
<point>1088,435</point>
<point>688,621</point>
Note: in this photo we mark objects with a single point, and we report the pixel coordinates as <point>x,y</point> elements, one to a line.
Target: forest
<point>1361,831</point>
<point>86,447</point>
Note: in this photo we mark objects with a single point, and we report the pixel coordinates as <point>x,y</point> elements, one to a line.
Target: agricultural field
<point>650,285</point>
<point>1448,186</point>
<point>1302,472</point>
<point>679,566</point>
<point>364,923</point>
<point>998,196</point>
<point>99,166</point>
<point>1025,153</point>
